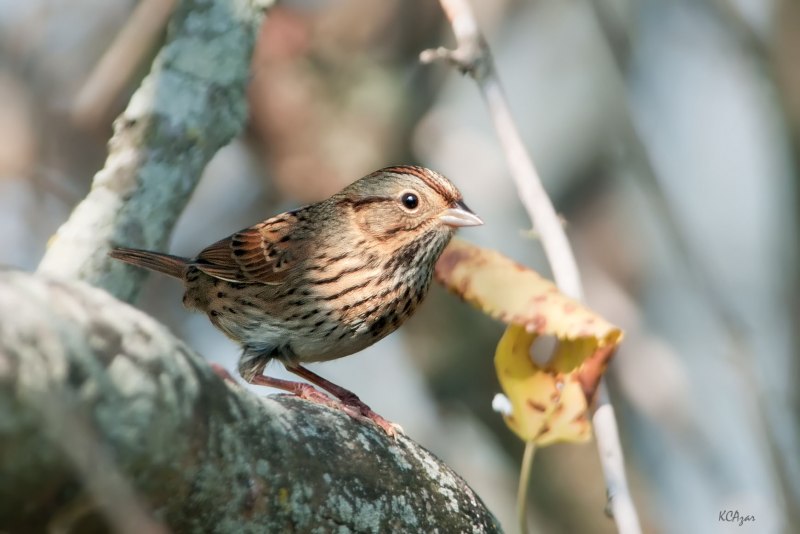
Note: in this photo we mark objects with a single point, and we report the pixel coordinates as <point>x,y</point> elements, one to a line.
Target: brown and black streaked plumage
<point>326,280</point>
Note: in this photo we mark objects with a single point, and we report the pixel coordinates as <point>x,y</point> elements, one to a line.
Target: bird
<point>322,281</point>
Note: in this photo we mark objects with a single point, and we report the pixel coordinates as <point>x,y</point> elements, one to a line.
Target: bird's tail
<point>155,261</point>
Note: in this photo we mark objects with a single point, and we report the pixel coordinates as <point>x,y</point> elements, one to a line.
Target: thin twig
<point>472,56</point>
<point>119,63</point>
<point>524,484</point>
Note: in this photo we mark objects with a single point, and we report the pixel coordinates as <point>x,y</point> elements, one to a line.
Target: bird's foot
<point>347,402</point>
<point>298,389</point>
<point>312,394</point>
<point>356,408</point>
<point>352,406</point>
<point>350,403</point>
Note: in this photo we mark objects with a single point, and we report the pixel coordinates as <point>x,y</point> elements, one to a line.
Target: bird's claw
<point>312,394</point>
<point>357,409</point>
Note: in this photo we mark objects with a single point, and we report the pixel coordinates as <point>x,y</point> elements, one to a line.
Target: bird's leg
<point>348,398</point>
<point>304,391</point>
<point>344,395</point>
<point>223,373</point>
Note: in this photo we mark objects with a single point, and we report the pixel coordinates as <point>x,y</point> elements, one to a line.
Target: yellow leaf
<point>546,406</point>
<point>550,400</point>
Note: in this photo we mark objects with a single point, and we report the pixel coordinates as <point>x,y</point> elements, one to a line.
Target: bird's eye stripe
<point>366,201</point>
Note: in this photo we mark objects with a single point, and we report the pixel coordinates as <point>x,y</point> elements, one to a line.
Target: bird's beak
<point>459,215</point>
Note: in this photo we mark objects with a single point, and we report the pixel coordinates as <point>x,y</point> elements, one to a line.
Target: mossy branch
<point>106,418</point>
<point>191,104</point>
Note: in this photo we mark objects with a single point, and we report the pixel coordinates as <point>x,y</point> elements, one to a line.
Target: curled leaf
<point>549,393</point>
<point>546,406</point>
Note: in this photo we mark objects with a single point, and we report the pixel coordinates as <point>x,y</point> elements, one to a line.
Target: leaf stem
<point>524,483</point>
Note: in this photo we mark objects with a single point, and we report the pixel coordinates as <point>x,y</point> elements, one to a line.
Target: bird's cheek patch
<point>382,221</point>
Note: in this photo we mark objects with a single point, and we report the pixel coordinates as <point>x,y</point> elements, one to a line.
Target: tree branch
<point>190,104</point>
<point>97,400</point>
<point>472,56</point>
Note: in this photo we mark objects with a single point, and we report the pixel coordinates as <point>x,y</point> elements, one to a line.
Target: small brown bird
<point>323,281</point>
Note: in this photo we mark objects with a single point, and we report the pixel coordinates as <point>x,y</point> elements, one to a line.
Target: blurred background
<point>667,132</point>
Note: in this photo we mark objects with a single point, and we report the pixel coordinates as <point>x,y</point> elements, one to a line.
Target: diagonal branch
<point>190,105</point>
<point>472,56</point>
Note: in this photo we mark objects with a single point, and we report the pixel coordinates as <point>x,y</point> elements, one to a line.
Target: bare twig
<point>472,56</point>
<point>120,61</point>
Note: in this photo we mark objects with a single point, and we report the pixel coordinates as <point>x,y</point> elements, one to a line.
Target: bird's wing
<point>262,254</point>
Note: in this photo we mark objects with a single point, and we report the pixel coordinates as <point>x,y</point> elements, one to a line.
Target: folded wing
<point>262,254</point>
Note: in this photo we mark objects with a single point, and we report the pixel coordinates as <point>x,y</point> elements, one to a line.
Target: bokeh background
<point>667,133</point>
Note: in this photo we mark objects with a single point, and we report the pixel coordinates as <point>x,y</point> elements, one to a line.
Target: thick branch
<point>473,57</point>
<point>191,104</point>
<point>97,401</point>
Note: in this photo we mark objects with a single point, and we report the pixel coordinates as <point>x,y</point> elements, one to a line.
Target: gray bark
<point>190,105</point>
<point>101,406</point>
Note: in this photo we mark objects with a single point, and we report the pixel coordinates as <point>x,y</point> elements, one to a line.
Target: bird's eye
<point>410,201</point>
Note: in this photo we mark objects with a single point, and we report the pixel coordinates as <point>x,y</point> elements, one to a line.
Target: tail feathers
<point>155,261</point>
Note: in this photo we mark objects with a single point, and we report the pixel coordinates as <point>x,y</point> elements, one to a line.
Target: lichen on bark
<point>91,387</point>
